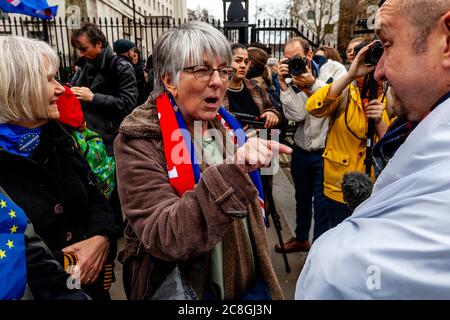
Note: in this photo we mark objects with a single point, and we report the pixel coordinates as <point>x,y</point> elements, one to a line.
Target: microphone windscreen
<point>356,187</point>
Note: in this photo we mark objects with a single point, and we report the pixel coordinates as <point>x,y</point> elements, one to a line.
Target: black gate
<point>273,33</point>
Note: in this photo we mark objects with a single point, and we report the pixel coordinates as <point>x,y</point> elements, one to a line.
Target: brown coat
<point>164,228</point>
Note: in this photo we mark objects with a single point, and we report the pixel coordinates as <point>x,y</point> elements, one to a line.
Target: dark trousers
<point>337,212</point>
<point>114,203</point>
<point>307,173</point>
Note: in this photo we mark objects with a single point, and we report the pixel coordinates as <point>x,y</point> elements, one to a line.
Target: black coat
<point>54,190</point>
<point>113,82</point>
<point>46,279</point>
<point>140,78</point>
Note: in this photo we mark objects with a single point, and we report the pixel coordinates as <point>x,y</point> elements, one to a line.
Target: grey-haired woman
<point>200,222</point>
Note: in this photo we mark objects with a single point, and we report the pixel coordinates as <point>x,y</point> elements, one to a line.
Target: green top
<point>212,155</point>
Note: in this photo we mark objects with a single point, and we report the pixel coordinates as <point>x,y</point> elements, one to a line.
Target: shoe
<point>293,245</point>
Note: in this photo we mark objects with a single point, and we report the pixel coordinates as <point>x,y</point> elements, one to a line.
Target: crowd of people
<point>157,153</point>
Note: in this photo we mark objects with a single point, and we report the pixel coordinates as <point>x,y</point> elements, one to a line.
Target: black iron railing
<point>144,32</point>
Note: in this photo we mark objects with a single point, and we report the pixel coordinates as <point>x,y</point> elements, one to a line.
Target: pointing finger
<point>276,146</point>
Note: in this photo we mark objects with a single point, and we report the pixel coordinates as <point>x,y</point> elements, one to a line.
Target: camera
<point>297,65</point>
<point>251,120</point>
<point>374,53</point>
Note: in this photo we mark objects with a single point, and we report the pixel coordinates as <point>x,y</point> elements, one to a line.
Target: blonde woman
<point>43,172</point>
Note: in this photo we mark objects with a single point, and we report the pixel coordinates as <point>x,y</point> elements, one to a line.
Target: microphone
<point>357,187</point>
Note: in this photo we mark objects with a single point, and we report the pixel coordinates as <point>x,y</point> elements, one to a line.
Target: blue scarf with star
<point>19,140</point>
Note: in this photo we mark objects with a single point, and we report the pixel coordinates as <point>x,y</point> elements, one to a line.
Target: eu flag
<point>34,8</point>
<point>13,223</point>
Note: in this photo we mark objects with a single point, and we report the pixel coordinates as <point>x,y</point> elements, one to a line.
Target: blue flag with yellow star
<point>13,276</point>
<point>34,8</point>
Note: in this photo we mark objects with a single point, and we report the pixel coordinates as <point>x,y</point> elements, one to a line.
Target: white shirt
<point>396,245</point>
<point>311,132</point>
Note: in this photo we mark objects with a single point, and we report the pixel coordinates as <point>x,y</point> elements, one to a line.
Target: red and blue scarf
<point>185,174</point>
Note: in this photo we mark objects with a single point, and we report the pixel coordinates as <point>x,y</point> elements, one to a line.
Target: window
<point>159,7</point>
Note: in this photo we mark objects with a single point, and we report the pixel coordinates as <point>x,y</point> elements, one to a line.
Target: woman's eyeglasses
<point>206,72</point>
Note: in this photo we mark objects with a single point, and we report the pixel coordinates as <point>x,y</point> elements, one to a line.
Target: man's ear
<point>446,57</point>
<point>309,56</point>
<point>170,86</point>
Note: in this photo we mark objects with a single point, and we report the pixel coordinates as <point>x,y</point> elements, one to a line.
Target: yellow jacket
<point>344,151</point>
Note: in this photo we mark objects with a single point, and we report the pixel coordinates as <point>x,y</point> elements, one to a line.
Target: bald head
<point>423,15</point>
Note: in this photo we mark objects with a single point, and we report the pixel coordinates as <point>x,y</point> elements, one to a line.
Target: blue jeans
<point>307,173</point>
<point>337,212</point>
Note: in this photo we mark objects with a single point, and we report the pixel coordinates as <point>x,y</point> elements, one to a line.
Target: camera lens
<point>375,53</point>
<point>297,66</point>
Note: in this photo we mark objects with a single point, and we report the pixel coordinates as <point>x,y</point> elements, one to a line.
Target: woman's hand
<point>257,153</point>
<point>358,68</point>
<point>374,110</point>
<point>91,256</point>
<point>271,119</point>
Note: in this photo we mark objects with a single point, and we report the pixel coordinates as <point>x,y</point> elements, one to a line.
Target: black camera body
<point>250,120</point>
<point>374,53</point>
<point>297,65</point>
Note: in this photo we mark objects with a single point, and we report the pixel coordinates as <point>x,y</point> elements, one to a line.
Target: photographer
<point>345,149</point>
<point>306,164</point>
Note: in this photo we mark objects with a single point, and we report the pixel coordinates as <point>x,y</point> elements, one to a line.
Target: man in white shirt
<point>307,162</point>
<point>396,245</point>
